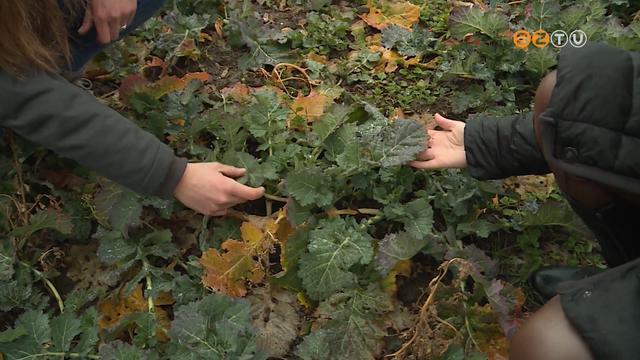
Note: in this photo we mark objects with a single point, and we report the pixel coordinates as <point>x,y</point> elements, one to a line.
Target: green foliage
<point>215,327</point>
<point>356,215</point>
<point>334,246</point>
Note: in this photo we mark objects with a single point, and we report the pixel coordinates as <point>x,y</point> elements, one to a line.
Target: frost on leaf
<point>351,326</point>
<point>334,246</point>
<point>309,187</point>
<point>395,248</point>
<point>475,20</point>
<point>395,144</point>
<point>216,327</point>
<point>276,320</point>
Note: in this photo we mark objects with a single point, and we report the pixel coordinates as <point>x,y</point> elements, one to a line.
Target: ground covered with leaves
<point>351,254</point>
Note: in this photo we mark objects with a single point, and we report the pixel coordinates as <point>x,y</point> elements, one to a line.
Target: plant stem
<point>48,284</point>
<point>276,198</point>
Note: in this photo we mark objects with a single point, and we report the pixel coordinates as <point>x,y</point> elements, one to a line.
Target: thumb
<point>231,171</point>
<point>87,23</point>
<point>446,124</point>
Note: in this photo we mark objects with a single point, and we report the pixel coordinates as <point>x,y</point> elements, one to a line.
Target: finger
<point>245,193</point>
<point>219,213</point>
<point>426,165</point>
<point>445,123</point>
<point>104,33</point>
<point>132,15</point>
<point>87,22</point>
<point>114,28</point>
<point>232,171</point>
<point>426,155</point>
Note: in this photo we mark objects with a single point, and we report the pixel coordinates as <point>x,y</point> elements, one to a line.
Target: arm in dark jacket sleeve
<point>50,111</point>
<point>499,147</point>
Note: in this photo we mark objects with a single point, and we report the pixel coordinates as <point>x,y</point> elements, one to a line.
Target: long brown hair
<point>33,35</point>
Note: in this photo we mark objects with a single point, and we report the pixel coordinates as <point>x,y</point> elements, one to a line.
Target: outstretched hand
<point>445,148</point>
<point>210,188</point>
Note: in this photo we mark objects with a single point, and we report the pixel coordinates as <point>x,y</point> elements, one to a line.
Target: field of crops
<point>351,254</point>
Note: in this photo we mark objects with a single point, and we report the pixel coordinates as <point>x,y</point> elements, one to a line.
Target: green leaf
<point>475,20</point>
<point>121,207</point>
<point>64,329</point>
<point>393,144</point>
<point>395,248</point>
<point>314,346</point>
<point>36,326</point>
<point>330,121</point>
<point>12,334</point>
<point>114,248</point>
<point>354,328</point>
<point>540,60</point>
<point>118,350</point>
<point>45,219</point>
<point>215,327</point>
<point>158,243</point>
<point>309,186</point>
<point>408,42</point>
<point>257,173</point>
<point>7,254</point>
<point>334,246</point>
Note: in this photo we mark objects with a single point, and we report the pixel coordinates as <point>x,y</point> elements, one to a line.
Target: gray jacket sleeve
<point>50,111</point>
<point>499,147</point>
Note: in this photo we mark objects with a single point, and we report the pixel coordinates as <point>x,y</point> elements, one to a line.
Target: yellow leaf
<point>310,107</point>
<point>115,309</point>
<point>389,12</point>
<point>227,272</point>
<point>251,234</point>
<point>402,268</point>
<point>389,61</point>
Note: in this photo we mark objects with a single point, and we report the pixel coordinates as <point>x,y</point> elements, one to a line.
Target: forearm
<point>502,147</point>
<point>49,111</point>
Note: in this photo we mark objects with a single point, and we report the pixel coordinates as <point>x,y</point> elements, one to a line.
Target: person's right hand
<point>209,188</point>
<point>445,149</point>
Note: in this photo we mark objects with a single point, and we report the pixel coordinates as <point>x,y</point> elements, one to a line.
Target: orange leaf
<point>226,272</point>
<point>400,13</point>
<point>238,92</point>
<point>170,84</point>
<point>310,107</point>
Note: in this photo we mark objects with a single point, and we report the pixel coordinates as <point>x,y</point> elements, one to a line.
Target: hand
<point>109,17</point>
<point>209,188</point>
<point>445,148</point>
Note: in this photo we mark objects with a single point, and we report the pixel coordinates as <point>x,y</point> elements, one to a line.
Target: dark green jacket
<point>50,111</point>
<point>591,127</point>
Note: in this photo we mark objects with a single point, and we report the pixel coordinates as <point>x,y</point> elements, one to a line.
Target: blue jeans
<point>85,47</point>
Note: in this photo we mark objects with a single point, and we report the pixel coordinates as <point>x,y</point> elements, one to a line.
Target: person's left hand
<point>109,17</point>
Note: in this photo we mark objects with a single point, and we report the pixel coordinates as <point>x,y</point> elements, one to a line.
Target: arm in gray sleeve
<point>499,147</point>
<point>50,111</point>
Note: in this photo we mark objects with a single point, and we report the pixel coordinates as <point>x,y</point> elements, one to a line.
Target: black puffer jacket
<point>591,127</point>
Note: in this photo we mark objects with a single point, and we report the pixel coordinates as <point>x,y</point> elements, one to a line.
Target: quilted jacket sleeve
<point>499,147</point>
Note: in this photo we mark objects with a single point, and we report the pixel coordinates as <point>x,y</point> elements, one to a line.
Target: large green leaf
<point>64,329</point>
<point>310,186</point>
<point>118,207</point>
<point>354,328</point>
<point>475,20</point>
<point>397,247</point>
<point>6,260</point>
<point>334,246</point>
<point>45,219</point>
